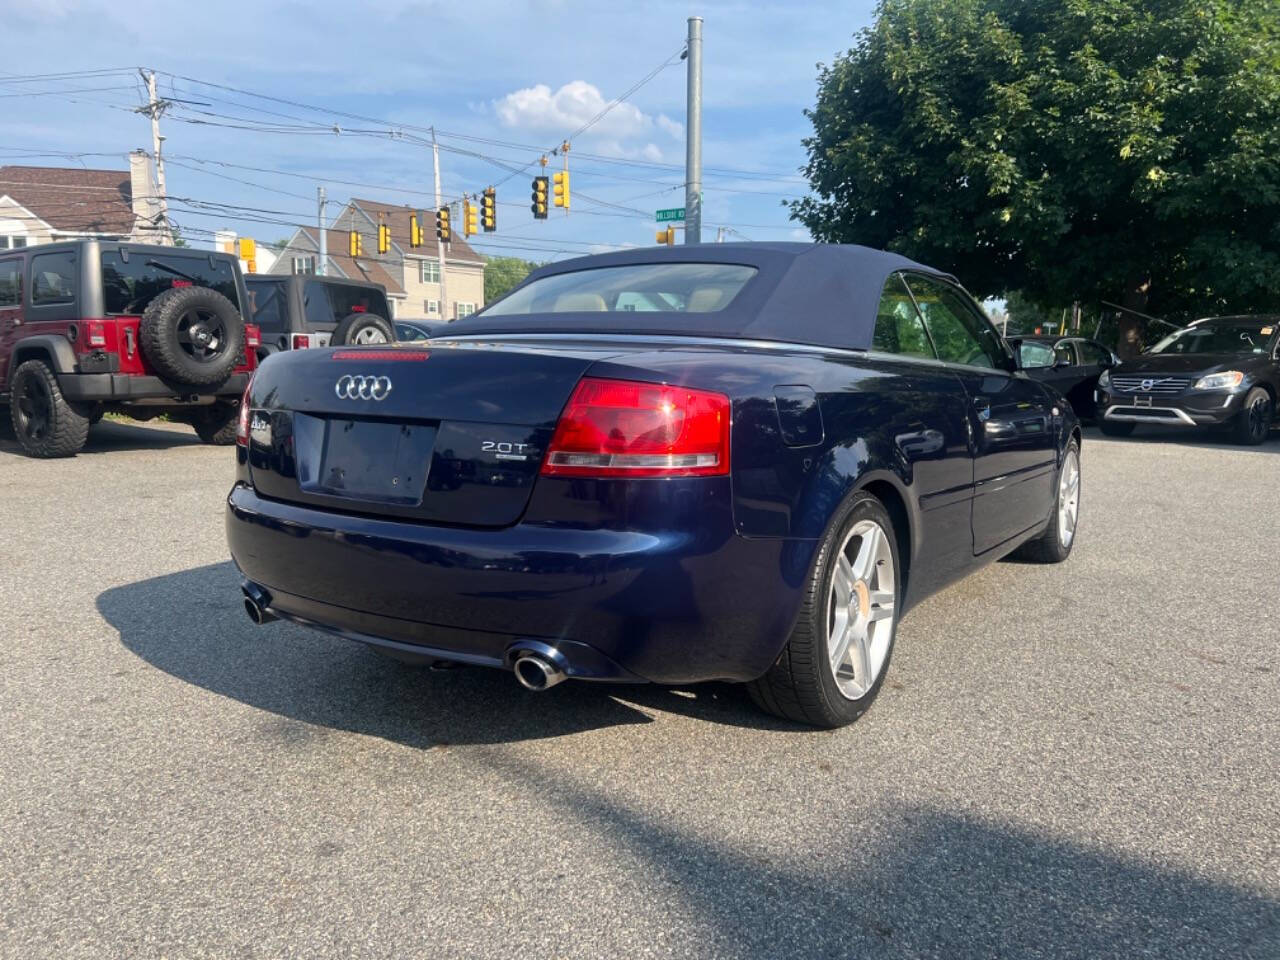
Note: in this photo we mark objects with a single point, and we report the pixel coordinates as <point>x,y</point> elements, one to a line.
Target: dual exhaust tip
<point>533,670</point>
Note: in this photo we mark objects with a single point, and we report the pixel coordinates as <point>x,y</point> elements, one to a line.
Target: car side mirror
<point>1059,363</point>
<point>1107,362</point>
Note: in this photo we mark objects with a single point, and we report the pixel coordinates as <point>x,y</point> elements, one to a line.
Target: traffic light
<point>539,205</point>
<point>415,230</point>
<point>354,244</point>
<point>489,210</point>
<point>384,238</point>
<point>470,218</point>
<point>667,236</point>
<point>247,251</point>
<point>443,232</point>
<point>561,180</point>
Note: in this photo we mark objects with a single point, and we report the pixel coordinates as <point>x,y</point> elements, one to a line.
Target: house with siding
<point>411,276</point>
<point>48,204</point>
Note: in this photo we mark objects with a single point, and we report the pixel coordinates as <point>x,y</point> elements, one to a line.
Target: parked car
<point>410,330</point>
<point>753,484</point>
<point>1071,365</point>
<point>89,326</point>
<point>1220,371</point>
<point>301,311</point>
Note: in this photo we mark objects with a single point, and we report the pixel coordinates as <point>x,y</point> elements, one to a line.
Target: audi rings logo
<point>361,387</point>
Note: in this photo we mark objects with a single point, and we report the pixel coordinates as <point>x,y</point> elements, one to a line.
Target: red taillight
<point>301,341</point>
<point>97,335</point>
<point>252,335</point>
<point>242,426</point>
<point>405,356</point>
<point>621,428</point>
<point>359,308</point>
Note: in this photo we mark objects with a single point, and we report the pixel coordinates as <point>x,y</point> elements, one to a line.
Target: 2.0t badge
<point>361,387</point>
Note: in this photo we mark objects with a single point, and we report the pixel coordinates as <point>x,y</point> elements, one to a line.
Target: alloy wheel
<point>370,335</point>
<point>1259,414</point>
<point>861,608</point>
<point>1068,497</point>
<point>202,335</point>
<point>35,408</point>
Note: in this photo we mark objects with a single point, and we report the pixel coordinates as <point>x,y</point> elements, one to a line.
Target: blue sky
<point>498,80</point>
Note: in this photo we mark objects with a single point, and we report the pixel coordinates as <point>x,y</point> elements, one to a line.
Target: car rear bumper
<point>1207,408</point>
<point>122,388</point>
<point>615,604</point>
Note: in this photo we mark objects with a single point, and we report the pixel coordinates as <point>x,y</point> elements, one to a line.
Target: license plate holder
<point>1142,401</point>
<point>370,460</point>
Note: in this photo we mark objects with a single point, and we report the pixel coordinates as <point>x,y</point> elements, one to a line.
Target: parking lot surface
<point>1071,761</point>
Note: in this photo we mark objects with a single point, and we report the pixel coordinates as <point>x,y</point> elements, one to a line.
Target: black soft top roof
<point>813,293</point>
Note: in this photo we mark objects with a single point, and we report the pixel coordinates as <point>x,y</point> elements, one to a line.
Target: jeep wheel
<point>217,424</point>
<point>360,329</point>
<point>192,335</point>
<point>45,423</point>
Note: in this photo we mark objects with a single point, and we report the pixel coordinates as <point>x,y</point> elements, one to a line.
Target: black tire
<point>1116,428</point>
<point>362,328</point>
<point>45,423</point>
<point>801,685</point>
<point>217,423</point>
<point>96,413</point>
<point>192,335</point>
<point>1253,423</point>
<point>1048,547</point>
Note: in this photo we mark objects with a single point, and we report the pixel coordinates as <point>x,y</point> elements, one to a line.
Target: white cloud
<point>539,108</point>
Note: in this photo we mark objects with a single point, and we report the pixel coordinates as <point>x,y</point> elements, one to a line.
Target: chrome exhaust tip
<point>535,673</point>
<point>255,605</point>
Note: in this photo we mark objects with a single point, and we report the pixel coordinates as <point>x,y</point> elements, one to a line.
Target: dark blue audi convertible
<point>735,462</point>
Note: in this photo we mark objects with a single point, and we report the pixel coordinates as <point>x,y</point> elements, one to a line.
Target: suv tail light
<point>622,428</point>
<point>242,425</point>
<point>97,335</point>
<point>252,336</point>
<point>301,341</point>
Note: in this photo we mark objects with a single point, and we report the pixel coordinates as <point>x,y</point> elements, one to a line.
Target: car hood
<point>1201,363</point>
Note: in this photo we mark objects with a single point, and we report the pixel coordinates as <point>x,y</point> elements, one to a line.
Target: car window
<point>348,300</point>
<point>958,333</point>
<point>1062,353</point>
<point>1033,353</point>
<point>267,298</point>
<point>644,287</point>
<point>129,286</point>
<point>899,328</point>
<point>10,283</point>
<point>1092,354</point>
<point>53,278</point>
<point>407,333</point>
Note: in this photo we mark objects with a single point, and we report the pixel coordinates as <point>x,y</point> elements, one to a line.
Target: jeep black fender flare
<point>54,350</point>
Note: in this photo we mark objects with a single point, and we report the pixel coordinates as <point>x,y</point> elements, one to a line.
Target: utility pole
<point>322,222</point>
<point>719,234</point>
<point>153,109</point>
<point>444,290</point>
<point>693,138</point>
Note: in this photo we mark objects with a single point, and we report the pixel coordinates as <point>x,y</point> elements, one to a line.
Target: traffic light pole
<point>693,138</point>
<point>323,232</point>
<point>444,290</point>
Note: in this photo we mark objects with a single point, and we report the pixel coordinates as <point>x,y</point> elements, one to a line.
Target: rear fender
<point>54,350</point>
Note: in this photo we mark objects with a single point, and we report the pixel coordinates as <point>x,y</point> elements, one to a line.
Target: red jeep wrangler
<point>91,326</point>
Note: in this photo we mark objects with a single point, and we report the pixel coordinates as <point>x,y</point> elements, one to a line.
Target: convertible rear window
<point>636,288</point>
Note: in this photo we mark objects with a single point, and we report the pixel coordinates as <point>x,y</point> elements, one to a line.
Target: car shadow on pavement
<point>192,625</point>
<point>909,880</point>
<point>115,436</point>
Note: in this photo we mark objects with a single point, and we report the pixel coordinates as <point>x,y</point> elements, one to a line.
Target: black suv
<point>308,311</point>
<point>1222,371</point>
<point>91,326</point>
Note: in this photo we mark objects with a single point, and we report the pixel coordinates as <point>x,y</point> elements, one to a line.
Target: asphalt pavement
<point>1070,761</point>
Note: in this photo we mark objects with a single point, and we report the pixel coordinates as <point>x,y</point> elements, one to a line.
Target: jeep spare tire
<point>362,328</point>
<point>192,335</point>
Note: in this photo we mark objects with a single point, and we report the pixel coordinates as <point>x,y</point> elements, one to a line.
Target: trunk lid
<point>445,434</point>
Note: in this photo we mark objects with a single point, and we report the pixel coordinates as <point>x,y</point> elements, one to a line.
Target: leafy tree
<point>1122,150</point>
<point>503,273</point>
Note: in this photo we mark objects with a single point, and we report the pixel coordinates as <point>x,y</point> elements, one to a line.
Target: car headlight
<point>1104,378</point>
<point>1227,380</point>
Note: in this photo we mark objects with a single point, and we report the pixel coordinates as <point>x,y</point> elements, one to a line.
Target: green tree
<point>1123,150</point>
<point>503,273</point>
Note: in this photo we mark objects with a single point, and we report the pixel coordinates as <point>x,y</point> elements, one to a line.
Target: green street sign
<point>675,213</point>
